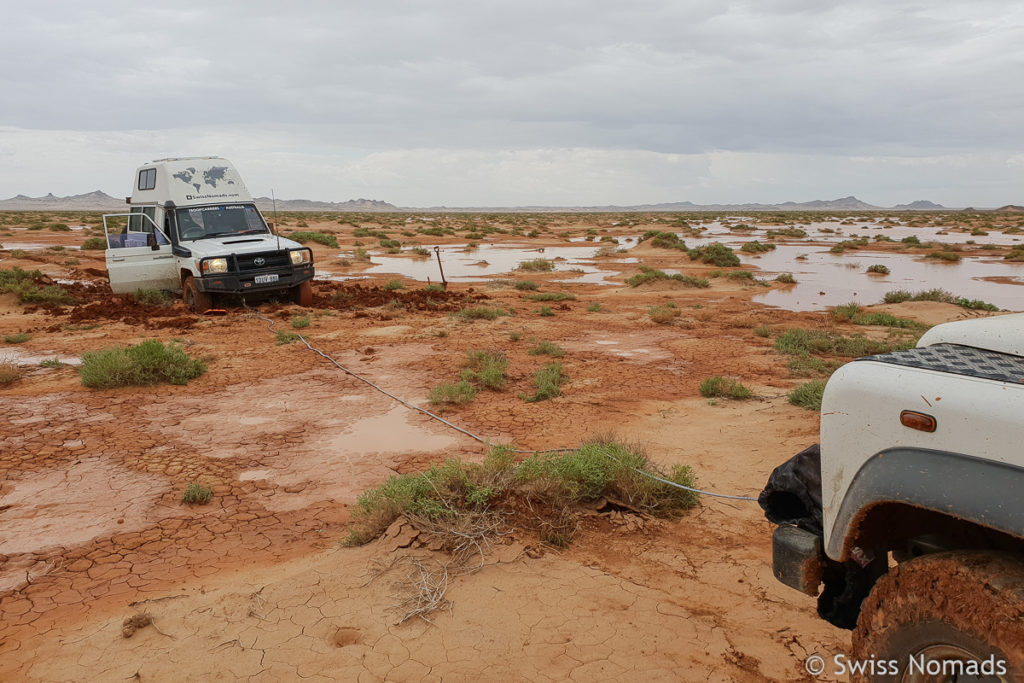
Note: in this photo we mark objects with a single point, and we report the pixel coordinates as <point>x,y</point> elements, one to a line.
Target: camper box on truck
<point>194,229</point>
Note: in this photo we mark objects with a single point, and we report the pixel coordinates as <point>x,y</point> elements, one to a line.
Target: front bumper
<point>797,558</point>
<point>245,283</point>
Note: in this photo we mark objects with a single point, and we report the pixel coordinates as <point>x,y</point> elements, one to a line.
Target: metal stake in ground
<point>444,283</point>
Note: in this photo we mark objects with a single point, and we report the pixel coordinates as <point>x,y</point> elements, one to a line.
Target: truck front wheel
<point>302,294</point>
<point>945,617</point>
<point>195,301</point>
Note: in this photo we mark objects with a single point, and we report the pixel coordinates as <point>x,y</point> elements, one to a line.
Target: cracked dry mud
<point>94,537</point>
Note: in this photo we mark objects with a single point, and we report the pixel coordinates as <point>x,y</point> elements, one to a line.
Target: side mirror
<point>273,228</point>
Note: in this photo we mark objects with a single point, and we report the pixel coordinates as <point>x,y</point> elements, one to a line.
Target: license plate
<point>265,279</point>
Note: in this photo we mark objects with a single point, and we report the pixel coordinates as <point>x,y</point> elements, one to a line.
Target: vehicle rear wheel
<point>955,616</point>
<point>195,301</point>
<point>303,294</point>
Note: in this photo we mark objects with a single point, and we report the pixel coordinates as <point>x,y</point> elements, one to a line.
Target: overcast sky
<point>469,103</point>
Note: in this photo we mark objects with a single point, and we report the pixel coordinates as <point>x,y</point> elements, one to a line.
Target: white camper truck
<point>193,228</point>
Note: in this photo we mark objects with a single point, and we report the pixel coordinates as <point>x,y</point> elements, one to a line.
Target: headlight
<point>215,265</point>
<point>300,256</point>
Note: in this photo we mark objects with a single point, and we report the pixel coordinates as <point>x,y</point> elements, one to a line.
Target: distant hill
<point>1012,208</point>
<point>91,201</point>
<point>266,204</point>
<point>100,201</point>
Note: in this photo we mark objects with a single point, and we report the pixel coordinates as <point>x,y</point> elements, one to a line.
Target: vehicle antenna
<point>277,228</point>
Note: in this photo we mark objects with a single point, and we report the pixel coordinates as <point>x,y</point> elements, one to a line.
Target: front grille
<point>270,259</point>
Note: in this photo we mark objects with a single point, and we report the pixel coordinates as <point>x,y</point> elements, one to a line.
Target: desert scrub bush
<point>318,237</point>
<point>481,313</point>
<point>755,247</point>
<point>594,307</point>
<point>420,251</point>
<point>763,331</point>
<point>950,256</point>
<point>59,227</point>
<point>147,363</point>
<point>524,285</point>
<point>52,363</point>
<point>787,232</point>
<point>550,296</point>
<point>799,341</point>
<point>878,269</point>
<point>394,284</point>
<point>808,395</point>
<point>716,254</point>
<point>10,372</point>
<point>537,265</point>
<point>785,278</point>
<point>545,312</point>
<point>900,295</point>
<point>740,275</point>
<point>664,240</point>
<point>453,392</point>
<point>434,288</point>
<point>486,368</point>
<point>19,338</point>
<point>197,494</point>
<point>285,337</point>
<point>153,297</point>
<point>663,313</point>
<point>717,386</point>
<point>546,348</point>
<point>648,274</point>
<point>1016,253</point>
<point>912,240</point>
<point>300,322</point>
<point>390,244</point>
<point>548,380</point>
<point>94,244</point>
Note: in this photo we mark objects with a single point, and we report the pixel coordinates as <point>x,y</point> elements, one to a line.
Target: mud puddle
<point>825,279</point>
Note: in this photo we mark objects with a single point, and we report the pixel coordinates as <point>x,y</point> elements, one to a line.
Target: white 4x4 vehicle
<point>193,228</point>
<point>912,514</point>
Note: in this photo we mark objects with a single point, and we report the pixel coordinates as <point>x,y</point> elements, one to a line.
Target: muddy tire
<point>303,294</point>
<point>959,606</point>
<point>195,301</point>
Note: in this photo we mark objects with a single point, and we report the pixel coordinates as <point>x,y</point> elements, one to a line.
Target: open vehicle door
<point>138,254</point>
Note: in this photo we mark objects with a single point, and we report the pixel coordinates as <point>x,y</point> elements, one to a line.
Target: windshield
<point>223,220</point>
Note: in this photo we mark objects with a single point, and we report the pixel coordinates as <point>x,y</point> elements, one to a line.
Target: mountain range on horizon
<point>101,201</point>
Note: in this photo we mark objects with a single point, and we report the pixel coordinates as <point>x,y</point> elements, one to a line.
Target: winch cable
<point>413,406</point>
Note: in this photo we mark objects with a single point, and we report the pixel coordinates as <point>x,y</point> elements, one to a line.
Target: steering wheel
<point>191,232</point>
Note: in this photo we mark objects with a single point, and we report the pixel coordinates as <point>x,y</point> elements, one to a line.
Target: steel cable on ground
<point>413,406</point>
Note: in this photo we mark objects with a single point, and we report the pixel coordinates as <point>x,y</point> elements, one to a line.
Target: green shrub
<point>150,362</point>
<point>785,278</point>
<point>944,256</point>
<point>285,337</point>
<point>662,314</point>
<point>912,240</point>
<point>716,254</point>
<point>664,240</point>
<point>755,247</point>
<point>801,341</point>
<point>900,295</point>
<point>486,368</point>
<point>550,296</point>
<point>59,227</point>
<point>548,381</point>
<point>300,322</point>
<point>878,268</point>
<point>94,244</point>
<point>525,285</point>
<point>52,363</point>
<point>390,244</point>
<point>481,313</point>
<point>594,307</point>
<point>763,331</point>
<point>453,392</point>
<point>154,297</point>
<point>808,395</point>
<point>545,312</point>
<point>787,232</point>
<point>394,284</point>
<point>318,237</point>
<point>19,338</point>
<point>648,274</point>
<point>197,494</point>
<point>546,348</point>
<point>717,386</point>
<point>537,265</point>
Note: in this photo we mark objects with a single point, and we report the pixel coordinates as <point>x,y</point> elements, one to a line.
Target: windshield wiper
<point>217,234</point>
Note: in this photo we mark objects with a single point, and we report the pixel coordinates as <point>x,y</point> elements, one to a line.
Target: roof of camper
<point>191,181</point>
